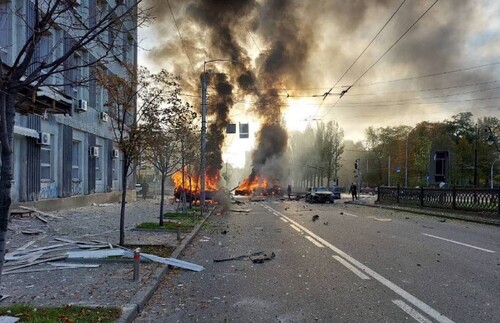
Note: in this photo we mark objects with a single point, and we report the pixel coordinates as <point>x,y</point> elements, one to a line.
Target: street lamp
<point>491,172</point>
<point>204,127</point>
<point>490,140</point>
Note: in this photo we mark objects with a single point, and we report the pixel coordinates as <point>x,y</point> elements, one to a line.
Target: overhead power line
<point>430,75</point>
<point>364,50</point>
<point>394,44</point>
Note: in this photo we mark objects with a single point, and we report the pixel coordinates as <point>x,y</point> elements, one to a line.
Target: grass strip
<point>68,313</point>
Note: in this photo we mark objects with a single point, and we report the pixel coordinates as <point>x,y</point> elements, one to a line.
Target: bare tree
<point>134,106</point>
<point>34,61</point>
<point>167,126</point>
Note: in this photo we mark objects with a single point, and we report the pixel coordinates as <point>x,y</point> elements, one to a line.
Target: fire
<point>258,185</point>
<point>252,185</point>
<point>192,184</point>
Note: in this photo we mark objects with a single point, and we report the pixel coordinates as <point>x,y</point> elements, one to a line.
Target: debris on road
<point>240,210</point>
<point>69,249</point>
<point>242,257</point>
<point>261,258</point>
<point>382,219</point>
<point>315,218</point>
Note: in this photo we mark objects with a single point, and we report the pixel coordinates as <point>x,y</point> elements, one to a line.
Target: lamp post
<point>490,140</point>
<point>204,128</point>
<point>491,172</point>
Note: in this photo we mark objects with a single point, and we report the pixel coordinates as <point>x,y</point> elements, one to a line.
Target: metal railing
<point>465,199</point>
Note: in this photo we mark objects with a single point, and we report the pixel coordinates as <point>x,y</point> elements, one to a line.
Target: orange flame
<point>192,184</point>
<point>249,186</point>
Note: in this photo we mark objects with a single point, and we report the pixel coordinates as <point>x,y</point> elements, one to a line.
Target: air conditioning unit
<point>94,151</point>
<point>103,116</point>
<point>81,106</point>
<point>115,153</point>
<point>44,138</point>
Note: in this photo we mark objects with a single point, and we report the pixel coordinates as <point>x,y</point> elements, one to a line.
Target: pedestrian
<point>145,188</point>
<point>354,191</point>
<point>289,191</point>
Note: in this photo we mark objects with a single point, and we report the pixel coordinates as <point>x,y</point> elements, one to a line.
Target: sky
<point>286,54</point>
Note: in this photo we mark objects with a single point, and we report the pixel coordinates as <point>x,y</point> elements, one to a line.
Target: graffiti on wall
<point>48,191</point>
<point>76,188</point>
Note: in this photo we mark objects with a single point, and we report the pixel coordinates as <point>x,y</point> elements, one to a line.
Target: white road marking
<point>316,243</point>
<point>387,283</point>
<point>460,243</point>
<point>276,214</point>
<point>349,214</point>
<point>284,220</point>
<point>410,311</point>
<point>351,267</point>
<point>295,228</point>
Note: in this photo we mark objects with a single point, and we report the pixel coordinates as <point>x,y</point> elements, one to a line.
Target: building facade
<point>72,153</point>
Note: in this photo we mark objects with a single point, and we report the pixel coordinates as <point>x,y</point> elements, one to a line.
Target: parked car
<point>319,195</point>
<point>336,192</point>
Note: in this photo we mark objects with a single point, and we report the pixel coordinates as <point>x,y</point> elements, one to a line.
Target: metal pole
<point>203,135</point>
<point>475,156</point>
<point>137,261</point>
<point>491,173</point>
<point>406,161</point>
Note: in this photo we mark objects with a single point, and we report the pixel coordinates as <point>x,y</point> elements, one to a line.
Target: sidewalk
<point>371,201</point>
<point>110,284</point>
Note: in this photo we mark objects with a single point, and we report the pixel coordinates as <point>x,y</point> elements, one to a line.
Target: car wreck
<point>319,195</point>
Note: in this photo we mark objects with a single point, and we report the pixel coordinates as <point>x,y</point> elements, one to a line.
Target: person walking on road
<point>354,191</point>
<point>289,191</point>
<point>145,188</point>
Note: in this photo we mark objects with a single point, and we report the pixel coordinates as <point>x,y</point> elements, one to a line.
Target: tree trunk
<point>124,200</point>
<point>162,197</point>
<point>7,114</point>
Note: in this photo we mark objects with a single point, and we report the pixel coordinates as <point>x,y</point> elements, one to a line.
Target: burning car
<point>319,195</point>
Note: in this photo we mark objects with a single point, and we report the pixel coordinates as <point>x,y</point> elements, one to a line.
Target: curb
<point>440,215</point>
<point>132,309</point>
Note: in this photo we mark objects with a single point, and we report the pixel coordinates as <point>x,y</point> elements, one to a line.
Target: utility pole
<point>203,135</point>
<point>204,128</point>
<point>475,155</point>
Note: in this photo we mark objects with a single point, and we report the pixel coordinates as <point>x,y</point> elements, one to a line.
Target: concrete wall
<point>77,201</point>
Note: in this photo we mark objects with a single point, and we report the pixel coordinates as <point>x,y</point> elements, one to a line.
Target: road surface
<point>353,264</point>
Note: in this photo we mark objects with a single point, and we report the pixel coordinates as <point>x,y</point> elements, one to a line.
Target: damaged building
<point>63,145</point>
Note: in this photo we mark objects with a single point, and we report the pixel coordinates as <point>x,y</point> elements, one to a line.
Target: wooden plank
<point>97,254</point>
<point>35,263</point>
<point>41,219</point>
<point>72,265</point>
<point>25,246</point>
<point>18,253</point>
<point>32,209</point>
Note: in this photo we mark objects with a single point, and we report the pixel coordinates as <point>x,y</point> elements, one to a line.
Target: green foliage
<point>79,314</point>
<point>185,225</point>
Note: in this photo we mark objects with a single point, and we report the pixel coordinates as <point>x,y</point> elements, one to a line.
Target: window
<point>75,172</point>
<point>98,165</point>
<point>114,164</point>
<point>45,168</point>
<point>243,130</point>
<point>5,28</point>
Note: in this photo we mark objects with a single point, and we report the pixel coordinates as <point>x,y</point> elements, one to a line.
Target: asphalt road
<point>353,264</point>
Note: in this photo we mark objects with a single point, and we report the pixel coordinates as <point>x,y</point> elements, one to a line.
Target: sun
<point>299,113</point>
